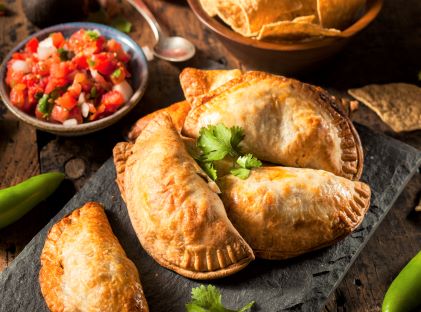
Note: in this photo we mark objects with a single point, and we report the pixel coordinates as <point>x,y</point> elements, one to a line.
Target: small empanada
<point>177,111</point>
<point>174,207</point>
<point>84,267</point>
<point>285,122</point>
<point>284,212</point>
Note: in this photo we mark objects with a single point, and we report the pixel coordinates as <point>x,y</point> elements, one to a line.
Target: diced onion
<point>46,48</point>
<point>85,109</point>
<point>81,98</point>
<point>21,66</point>
<point>70,122</point>
<point>125,89</point>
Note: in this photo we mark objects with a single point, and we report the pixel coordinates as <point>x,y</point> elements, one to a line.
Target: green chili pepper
<point>403,294</point>
<point>17,200</point>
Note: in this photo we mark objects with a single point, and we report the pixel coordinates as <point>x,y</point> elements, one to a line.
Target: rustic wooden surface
<point>388,51</point>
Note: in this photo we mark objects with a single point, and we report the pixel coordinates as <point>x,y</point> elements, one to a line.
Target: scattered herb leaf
<point>248,161</point>
<point>117,73</point>
<point>210,170</point>
<point>44,105</point>
<point>63,54</point>
<point>93,94</point>
<point>209,299</point>
<point>91,63</point>
<point>121,24</point>
<point>92,34</point>
<point>216,142</point>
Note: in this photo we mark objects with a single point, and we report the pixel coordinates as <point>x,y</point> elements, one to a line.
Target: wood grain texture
<point>388,51</point>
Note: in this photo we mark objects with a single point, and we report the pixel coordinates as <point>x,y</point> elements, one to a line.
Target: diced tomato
<point>59,114</point>
<point>41,68</point>
<point>67,101</point>
<point>75,89</point>
<point>32,94</point>
<point>81,42</point>
<point>55,83</point>
<point>62,69</point>
<point>112,100</point>
<point>115,47</point>
<point>32,45</point>
<point>104,63</point>
<point>18,56</point>
<point>18,95</point>
<point>13,77</point>
<point>80,61</point>
<point>40,115</point>
<point>76,113</point>
<point>58,39</point>
<point>83,80</point>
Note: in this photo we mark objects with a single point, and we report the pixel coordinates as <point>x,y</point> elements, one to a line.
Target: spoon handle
<point>141,7</point>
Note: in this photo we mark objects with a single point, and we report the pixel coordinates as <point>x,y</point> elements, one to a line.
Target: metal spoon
<point>173,49</point>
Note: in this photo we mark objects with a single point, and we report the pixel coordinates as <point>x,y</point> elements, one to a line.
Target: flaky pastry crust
<point>84,267</point>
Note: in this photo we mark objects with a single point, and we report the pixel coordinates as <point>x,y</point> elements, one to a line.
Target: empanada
<point>284,212</point>
<point>84,268</point>
<point>174,208</point>
<point>177,111</point>
<point>285,122</point>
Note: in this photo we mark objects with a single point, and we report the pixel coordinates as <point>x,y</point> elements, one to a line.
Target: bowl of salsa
<point>73,78</point>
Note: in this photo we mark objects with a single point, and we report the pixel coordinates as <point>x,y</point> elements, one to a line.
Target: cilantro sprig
<point>217,142</point>
<point>209,299</point>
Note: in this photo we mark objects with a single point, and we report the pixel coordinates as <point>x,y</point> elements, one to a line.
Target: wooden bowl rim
<point>373,8</point>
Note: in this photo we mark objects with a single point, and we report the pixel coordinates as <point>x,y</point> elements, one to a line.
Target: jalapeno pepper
<point>17,200</point>
<point>403,294</point>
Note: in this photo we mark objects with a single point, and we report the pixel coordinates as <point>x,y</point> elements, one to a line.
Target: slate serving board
<point>300,284</point>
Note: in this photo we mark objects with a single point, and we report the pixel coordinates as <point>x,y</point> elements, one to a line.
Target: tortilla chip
<point>209,6</point>
<point>397,104</point>
<point>248,16</point>
<point>295,30</point>
<point>196,83</point>
<point>339,14</point>
<point>305,19</point>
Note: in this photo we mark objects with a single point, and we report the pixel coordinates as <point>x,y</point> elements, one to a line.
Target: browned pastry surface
<point>285,122</point>
<point>174,207</point>
<point>84,267</point>
<point>284,212</point>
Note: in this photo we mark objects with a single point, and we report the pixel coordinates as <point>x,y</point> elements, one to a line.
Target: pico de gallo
<point>70,81</point>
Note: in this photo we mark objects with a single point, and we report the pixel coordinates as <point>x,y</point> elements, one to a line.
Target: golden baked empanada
<point>284,212</point>
<point>285,122</point>
<point>197,83</point>
<point>177,111</point>
<point>177,215</point>
<point>84,267</point>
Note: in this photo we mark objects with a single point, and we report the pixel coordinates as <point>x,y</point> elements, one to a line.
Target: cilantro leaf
<point>217,141</point>
<point>63,54</point>
<point>248,161</point>
<point>209,168</point>
<point>242,173</point>
<point>92,34</point>
<point>209,299</point>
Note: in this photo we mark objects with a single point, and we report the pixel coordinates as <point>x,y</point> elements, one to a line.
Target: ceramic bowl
<point>138,67</point>
<point>285,57</point>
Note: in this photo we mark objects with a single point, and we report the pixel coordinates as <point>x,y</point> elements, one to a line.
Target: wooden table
<point>388,51</point>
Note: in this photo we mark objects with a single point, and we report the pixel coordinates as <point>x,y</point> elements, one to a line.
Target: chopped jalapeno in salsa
<point>74,80</point>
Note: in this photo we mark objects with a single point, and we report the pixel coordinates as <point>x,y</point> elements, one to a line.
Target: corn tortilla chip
<point>248,16</point>
<point>339,14</point>
<point>295,30</point>
<point>209,6</point>
<point>397,104</point>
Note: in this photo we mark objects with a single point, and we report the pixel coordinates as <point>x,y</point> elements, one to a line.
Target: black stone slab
<point>300,284</point>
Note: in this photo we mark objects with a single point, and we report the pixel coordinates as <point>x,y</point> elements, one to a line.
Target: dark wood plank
<point>387,51</point>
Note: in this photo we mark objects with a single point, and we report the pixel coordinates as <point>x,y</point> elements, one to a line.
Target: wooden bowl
<point>285,57</point>
<point>138,67</point>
